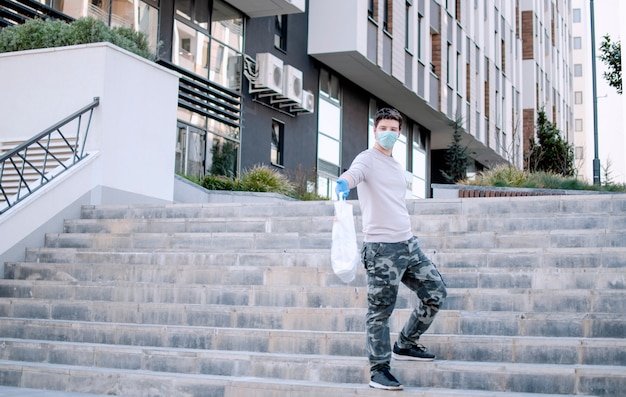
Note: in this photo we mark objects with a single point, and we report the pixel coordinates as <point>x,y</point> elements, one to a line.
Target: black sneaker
<point>415,353</point>
<point>382,379</point>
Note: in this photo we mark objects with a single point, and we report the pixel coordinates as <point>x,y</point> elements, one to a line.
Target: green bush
<point>218,182</point>
<point>261,178</point>
<point>38,33</point>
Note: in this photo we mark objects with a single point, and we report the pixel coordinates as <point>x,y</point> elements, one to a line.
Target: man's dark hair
<point>388,114</point>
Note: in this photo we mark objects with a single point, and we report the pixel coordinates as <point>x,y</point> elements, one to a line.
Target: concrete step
<point>504,323</point>
<point>294,240</point>
<point>481,348</point>
<point>134,383</point>
<point>422,224</point>
<point>468,299</point>
<point>317,368</point>
<point>548,278</point>
<point>522,207</point>
<point>513,259</point>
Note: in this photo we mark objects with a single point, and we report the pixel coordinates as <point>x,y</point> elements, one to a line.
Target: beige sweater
<point>379,180</point>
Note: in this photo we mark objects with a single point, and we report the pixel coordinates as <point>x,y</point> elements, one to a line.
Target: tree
<point>611,55</point>
<point>457,157</point>
<point>549,152</point>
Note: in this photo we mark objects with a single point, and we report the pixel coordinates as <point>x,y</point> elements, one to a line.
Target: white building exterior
<point>609,18</point>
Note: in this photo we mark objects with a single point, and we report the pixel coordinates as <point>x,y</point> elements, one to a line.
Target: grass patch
<point>506,176</point>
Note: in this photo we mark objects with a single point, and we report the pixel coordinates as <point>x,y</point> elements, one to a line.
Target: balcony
<point>266,8</point>
<point>342,37</point>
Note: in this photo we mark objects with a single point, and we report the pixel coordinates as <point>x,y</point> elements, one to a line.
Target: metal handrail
<point>20,160</point>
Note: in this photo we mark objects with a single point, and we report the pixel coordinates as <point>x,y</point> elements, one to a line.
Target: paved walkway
<point>6,391</point>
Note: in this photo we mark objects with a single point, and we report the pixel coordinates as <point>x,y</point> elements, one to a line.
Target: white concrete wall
<point>344,28</point>
<point>131,140</point>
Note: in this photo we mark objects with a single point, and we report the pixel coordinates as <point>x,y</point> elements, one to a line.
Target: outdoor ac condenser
<point>269,70</point>
<point>308,101</point>
<point>292,84</point>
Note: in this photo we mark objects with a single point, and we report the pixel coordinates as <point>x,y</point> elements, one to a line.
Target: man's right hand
<point>342,189</point>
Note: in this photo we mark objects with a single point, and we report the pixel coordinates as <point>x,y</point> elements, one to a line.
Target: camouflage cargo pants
<point>386,265</point>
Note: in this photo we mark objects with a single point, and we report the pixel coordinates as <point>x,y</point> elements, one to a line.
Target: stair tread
<point>259,386</point>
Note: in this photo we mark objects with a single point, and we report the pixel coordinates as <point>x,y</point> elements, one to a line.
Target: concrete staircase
<point>241,300</point>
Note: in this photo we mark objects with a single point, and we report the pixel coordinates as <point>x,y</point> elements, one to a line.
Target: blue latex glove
<point>342,189</point>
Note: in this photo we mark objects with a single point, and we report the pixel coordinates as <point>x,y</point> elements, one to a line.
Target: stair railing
<point>30,164</point>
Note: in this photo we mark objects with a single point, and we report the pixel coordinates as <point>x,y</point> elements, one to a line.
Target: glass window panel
<point>578,69</point>
<point>328,149</point>
<point>329,119</point>
<point>323,184</point>
<point>577,43</point>
<point>190,49</point>
<point>579,124</point>
<point>223,129</point>
<point>225,66</point>
<point>280,32</point>
<point>399,151</point>
<point>324,81</point>
<point>227,25</point>
<point>419,162</point>
<point>195,153</point>
<point>334,87</point>
<point>276,151</point>
<point>183,8</point>
<point>191,118</point>
<point>221,157</point>
<point>148,19</point>
<point>418,187</point>
<point>181,149</point>
<point>201,13</point>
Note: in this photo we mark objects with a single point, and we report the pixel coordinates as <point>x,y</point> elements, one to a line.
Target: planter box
<point>131,142</point>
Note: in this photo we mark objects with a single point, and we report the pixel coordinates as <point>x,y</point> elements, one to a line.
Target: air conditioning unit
<point>292,84</point>
<point>308,101</point>
<point>270,72</point>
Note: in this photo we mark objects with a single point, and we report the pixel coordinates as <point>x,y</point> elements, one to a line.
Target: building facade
<point>294,84</point>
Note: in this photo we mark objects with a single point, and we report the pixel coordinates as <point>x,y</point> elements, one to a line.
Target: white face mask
<point>386,139</point>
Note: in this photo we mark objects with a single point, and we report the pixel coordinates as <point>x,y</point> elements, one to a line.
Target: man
<point>390,253</point>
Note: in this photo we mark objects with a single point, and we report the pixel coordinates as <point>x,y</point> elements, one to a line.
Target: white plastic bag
<point>344,253</point>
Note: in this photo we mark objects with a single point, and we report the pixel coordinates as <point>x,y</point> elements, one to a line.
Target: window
<point>579,153</point>
<point>578,125</point>
<point>578,70</point>
<point>370,9</point>
<point>576,15</point>
<point>276,152</point>
<point>578,97</point>
<point>280,32</point>
<point>578,43</point>
<point>449,46</point>
<point>419,35</point>
<point>215,56</point>
<point>408,31</point>
<point>329,134</point>
<point>387,12</point>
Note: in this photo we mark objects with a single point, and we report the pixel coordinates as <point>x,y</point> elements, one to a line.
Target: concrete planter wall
<point>131,140</point>
<point>443,191</point>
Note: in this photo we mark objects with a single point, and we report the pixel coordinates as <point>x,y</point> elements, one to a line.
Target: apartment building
<point>610,131</point>
<point>294,84</point>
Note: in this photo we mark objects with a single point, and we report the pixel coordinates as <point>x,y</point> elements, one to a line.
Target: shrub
<point>507,176</point>
<point>261,178</point>
<point>38,33</point>
<point>218,182</point>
